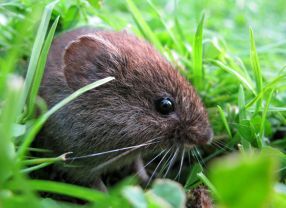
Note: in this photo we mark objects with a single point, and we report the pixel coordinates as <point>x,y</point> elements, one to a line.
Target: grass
<point>241,80</point>
<point>198,56</point>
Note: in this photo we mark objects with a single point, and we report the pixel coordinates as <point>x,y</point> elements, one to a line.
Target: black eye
<point>165,105</point>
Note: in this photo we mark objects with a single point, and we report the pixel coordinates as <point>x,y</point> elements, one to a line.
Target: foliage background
<point>239,73</point>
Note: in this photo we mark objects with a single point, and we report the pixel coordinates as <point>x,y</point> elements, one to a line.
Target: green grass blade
<point>37,161</point>
<point>40,69</point>
<point>181,36</point>
<point>192,178</point>
<point>208,183</point>
<point>178,45</point>
<point>9,110</point>
<point>36,50</point>
<point>143,26</point>
<point>198,55</point>
<point>264,114</point>
<point>277,109</point>
<point>256,68</point>
<point>36,167</point>
<point>243,80</point>
<point>9,60</point>
<point>223,118</point>
<point>241,104</point>
<point>66,189</point>
<point>39,123</point>
<point>238,65</point>
<point>271,85</point>
<point>8,116</point>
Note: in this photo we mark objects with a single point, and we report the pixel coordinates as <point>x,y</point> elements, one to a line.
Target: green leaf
<point>155,201</point>
<point>246,131</point>
<point>244,180</point>
<point>70,18</point>
<point>279,200</point>
<point>18,130</point>
<point>170,191</point>
<point>95,3</point>
<point>135,196</point>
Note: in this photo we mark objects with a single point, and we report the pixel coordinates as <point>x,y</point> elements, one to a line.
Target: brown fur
<point>199,198</point>
<point>120,113</point>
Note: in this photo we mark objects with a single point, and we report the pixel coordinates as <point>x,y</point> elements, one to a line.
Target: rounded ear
<point>87,59</point>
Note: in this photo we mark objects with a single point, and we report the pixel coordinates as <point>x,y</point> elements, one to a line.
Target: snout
<point>202,137</point>
<point>206,136</point>
<point>193,135</point>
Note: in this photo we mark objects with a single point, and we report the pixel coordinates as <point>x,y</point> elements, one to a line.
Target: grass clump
<point>241,80</point>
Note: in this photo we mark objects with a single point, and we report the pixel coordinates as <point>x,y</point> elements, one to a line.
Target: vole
<point>148,107</point>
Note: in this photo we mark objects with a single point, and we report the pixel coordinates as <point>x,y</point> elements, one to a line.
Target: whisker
<point>181,165</point>
<point>165,165</point>
<point>117,157</point>
<point>216,153</point>
<point>102,165</point>
<point>195,155</point>
<point>110,151</point>
<point>151,177</point>
<point>172,161</point>
<point>200,157</point>
<point>220,146</point>
<point>150,162</point>
<point>223,145</point>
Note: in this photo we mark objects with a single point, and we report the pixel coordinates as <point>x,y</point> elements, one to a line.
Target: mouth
<point>189,146</point>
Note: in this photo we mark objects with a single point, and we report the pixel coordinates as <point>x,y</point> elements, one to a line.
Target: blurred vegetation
<point>238,71</point>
